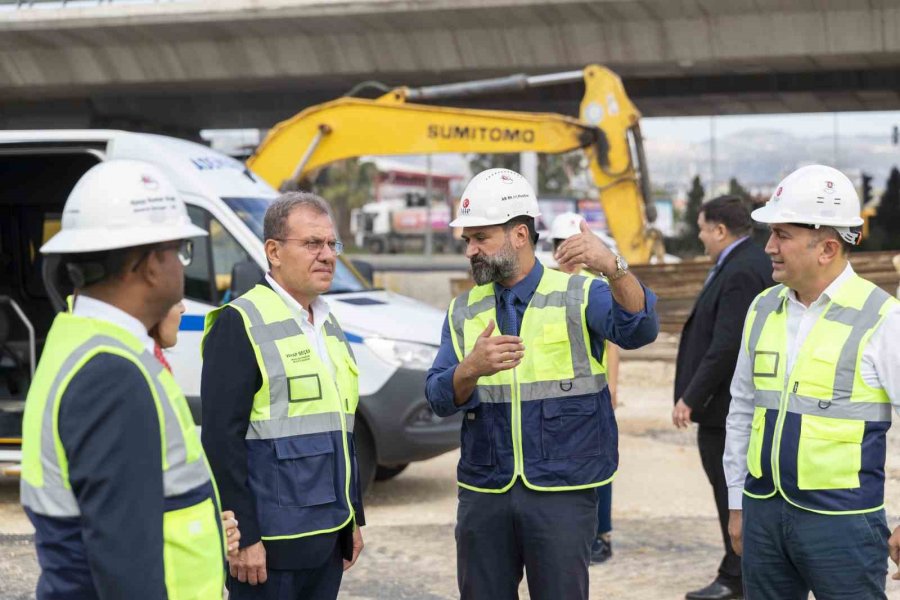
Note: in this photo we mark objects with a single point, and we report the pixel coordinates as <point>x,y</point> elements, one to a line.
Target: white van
<point>394,338</point>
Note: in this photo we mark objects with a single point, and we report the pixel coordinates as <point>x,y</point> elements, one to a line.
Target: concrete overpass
<point>182,65</point>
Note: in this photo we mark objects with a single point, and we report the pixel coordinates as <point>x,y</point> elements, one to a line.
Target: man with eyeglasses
<point>279,389</point>
<point>113,474</point>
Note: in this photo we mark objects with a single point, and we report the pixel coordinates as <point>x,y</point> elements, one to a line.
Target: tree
<point>346,185</point>
<point>884,226</point>
<point>558,174</point>
<point>483,162</point>
<point>690,244</point>
<point>736,189</point>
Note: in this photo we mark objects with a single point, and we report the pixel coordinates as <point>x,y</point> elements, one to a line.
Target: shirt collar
<point>524,290</point>
<point>91,308</point>
<point>321,308</point>
<point>724,254</point>
<point>829,292</point>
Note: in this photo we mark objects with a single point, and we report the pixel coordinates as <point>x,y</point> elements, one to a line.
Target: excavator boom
<point>390,125</point>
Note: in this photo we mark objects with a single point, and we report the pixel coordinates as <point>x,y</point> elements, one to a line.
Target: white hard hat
<point>565,226</point>
<point>495,196</point>
<point>815,195</point>
<point>121,204</point>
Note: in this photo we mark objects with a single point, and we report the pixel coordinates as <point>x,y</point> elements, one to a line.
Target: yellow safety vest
<point>818,431</point>
<point>194,545</point>
<point>544,421</point>
<point>302,463</point>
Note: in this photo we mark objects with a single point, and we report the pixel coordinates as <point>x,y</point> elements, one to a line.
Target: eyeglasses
<point>315,246</point>
<point>186,252</point>
<point>185,249</point>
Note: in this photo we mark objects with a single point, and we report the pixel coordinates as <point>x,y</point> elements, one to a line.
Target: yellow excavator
<point>398,122</point>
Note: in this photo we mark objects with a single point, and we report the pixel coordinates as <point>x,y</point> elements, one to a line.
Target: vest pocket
<point>570,427</point>
<point>829,454</point>
<point>555,353</point>
<point>478,437</point>
<point>193,552</point>
<point>305,470</point>
<point>754,449</point>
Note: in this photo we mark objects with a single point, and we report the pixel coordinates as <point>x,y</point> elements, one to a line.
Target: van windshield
<point>253,210</point>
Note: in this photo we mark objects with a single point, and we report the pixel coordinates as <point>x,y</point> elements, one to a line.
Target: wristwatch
<point>621,269</point>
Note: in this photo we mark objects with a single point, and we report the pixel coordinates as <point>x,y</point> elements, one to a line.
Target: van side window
<point>208,277</point>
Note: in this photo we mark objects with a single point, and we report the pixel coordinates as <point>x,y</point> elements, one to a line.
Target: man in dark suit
<point>708,351</point>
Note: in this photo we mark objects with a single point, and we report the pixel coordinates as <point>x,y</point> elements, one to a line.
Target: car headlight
<point>409,355</point>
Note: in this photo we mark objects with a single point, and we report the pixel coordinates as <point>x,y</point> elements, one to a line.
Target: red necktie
<point>158,353</point>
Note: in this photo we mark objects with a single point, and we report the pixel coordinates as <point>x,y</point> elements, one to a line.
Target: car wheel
<point>383,473</point>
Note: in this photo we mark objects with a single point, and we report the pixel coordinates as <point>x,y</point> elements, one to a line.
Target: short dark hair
<point>527,222</point>
<point>828,233</point>
<point>275,221</point>
<point>731,211</point>
<point>90,268</point>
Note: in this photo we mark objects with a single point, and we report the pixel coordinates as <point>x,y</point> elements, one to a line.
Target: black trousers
<point>711,442</point>
<point>549,534</point>
<point>320,582</point>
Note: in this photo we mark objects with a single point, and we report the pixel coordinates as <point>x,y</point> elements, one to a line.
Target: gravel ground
<point>665,541</point>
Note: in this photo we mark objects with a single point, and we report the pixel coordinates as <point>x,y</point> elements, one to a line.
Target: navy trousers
<point>318,583</point>
<point>789,552</point>
<point>548,534</point>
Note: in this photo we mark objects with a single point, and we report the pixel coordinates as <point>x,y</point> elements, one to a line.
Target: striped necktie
<point>510,325</point>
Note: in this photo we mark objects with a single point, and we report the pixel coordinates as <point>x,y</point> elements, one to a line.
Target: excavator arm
<point>351,127</point>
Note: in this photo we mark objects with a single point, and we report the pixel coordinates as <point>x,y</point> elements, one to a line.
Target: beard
<point>501,266</point>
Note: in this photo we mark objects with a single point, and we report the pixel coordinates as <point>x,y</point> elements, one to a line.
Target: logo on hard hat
<point>149,182</point>
<point>829,187</point>
<point>778,193</point>
<point>464,209</point>
<point>465,203</point>
<point>506,178</point>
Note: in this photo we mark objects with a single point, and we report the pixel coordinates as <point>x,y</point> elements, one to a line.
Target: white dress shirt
<point>313,331</point>
<point>880,368</point>
<point>91,308</point>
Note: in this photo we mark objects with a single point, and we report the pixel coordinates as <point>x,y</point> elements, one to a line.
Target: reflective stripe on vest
<point>264,335</point>
<point>558,377</point>
<point>584,378</point>
<point>301,424</point>
<point>55,497</point>
<point>193,540</point>
<point>822,425</point>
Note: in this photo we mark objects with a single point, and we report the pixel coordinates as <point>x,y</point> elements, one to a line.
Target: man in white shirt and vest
<point>279,389</point>
<point>816,378</point>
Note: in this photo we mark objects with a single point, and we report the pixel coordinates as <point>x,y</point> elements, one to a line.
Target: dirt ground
<point>665,539</point>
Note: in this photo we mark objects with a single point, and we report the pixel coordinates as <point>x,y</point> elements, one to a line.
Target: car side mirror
<point>244,275</point>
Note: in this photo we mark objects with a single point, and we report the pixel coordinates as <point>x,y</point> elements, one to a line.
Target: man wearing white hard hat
<point>521,356</point>
<point>564,226</point>
<point>114,478</point>
<point>817,375</point>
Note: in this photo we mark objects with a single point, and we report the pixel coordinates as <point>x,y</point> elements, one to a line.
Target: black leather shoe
<point>715,591</point>
<point>601,551</point>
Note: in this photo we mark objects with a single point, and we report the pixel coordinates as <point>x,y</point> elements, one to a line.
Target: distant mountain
<point>759,158</point>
